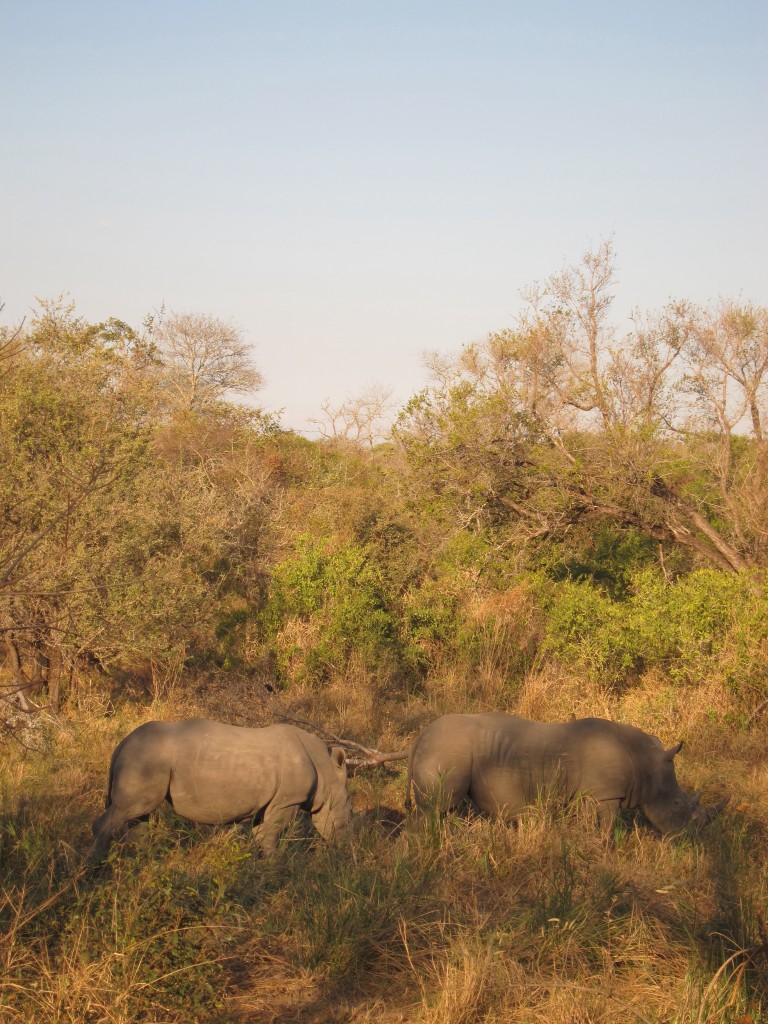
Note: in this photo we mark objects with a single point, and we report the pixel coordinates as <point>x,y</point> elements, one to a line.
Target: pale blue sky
<point>354,183</point>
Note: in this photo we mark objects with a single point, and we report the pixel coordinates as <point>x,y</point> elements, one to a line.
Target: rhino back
<point>220,773</point>
<point>504,763</point>
<point>517,760</point>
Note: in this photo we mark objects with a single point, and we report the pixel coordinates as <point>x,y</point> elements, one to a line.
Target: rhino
<point>215,774</point>
<point>503,763</point>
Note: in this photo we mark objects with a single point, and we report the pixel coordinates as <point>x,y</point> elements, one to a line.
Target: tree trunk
<point>716,548</point>
<point>712,547</point>
<point>23,685</point>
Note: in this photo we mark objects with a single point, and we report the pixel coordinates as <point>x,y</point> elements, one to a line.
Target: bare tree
<point>205,359</point>
<point>729,365</point>
<point>363,420</point>
<point>577,322</point>
<point>11,339</point>
<point>727,384</point>
<point>559,420</point>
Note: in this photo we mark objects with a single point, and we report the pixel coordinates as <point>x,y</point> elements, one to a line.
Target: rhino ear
<point>338,756</point>
<point>669,755</point>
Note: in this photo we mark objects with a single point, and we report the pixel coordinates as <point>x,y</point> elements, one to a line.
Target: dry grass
<point>440,921</point>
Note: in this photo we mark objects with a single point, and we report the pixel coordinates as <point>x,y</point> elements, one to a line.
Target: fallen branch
<point>361,756</point>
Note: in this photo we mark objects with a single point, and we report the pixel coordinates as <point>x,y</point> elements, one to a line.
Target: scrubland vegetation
<point>567,521</point>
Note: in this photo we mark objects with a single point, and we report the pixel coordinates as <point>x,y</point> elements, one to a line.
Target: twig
<point>20,688</point>
<point>371,756</point>
<point>7,730</point>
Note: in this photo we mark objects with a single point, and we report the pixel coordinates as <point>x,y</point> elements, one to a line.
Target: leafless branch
<point>367,756</point>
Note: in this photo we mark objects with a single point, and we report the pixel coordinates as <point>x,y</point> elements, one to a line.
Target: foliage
<point>327,605</point>
<point>124,519</point>
<point>704,624</point>
<point>555,422</point>
<point>553,494</point>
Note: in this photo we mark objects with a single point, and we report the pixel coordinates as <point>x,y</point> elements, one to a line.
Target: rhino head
<point>668,807</point>
<point>333,815</point>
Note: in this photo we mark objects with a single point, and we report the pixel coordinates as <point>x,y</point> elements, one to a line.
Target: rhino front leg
<point>276,820</point>
<point>607,813</point>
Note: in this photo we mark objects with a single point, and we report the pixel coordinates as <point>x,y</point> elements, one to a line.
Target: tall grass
<point>440,921</point>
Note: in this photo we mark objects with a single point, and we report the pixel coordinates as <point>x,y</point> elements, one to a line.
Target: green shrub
<point>327,604</point>
<point>708,623</point>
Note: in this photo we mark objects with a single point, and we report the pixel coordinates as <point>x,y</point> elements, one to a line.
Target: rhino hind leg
<point>439,791</point>
<point>106,827</point>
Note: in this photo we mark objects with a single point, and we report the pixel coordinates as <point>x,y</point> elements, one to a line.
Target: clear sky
<point>353,183</point>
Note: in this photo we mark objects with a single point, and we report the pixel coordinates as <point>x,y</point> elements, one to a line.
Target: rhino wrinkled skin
<point>215,774</point>
<point>503,764</point>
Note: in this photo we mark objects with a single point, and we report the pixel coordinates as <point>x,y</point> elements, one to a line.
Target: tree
<point>10,339</point>
<point>362,420</point>
<point>204,360</point>
<point>727,382</point>
<point>123,533</point>
<point>558,421</point>
<point>72,427</point>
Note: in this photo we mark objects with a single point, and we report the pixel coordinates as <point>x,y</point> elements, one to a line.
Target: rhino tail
<point>112,763</point>
<point>409,779</point>
<point>108,795</point>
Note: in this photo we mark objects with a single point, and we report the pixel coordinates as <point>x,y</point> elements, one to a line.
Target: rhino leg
<point>130,801</point>
<point>104,828</point>
<point>276,820</point>
<point>107,826</point>
<point>607,813</point>
<point>438,790</point>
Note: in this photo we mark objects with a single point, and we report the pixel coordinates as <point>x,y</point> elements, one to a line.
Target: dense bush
<point>705,624</point>
<point>327,608</point>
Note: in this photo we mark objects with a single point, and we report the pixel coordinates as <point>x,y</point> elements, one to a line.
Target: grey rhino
<point>503,763</point>
<point>213,773</point>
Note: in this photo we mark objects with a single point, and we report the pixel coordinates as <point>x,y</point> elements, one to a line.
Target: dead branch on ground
<point>357,754</point>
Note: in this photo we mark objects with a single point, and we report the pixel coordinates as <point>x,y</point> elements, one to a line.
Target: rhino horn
<point>696,799</point>
<point>669,755</point>
<point>707,814</point>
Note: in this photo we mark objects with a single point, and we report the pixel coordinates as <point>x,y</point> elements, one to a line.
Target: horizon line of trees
<point>149,520</point>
